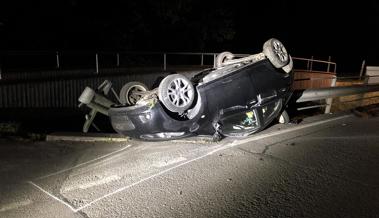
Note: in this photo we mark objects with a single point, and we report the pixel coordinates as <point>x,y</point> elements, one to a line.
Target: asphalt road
<point>326,166</point>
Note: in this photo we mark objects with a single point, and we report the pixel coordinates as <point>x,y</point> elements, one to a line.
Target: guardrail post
<point>362,69</point>
<point>311,64</point>
<point>118,59</point>
<point>329,101</point>
<point>214,60</point>
<point>329,59</point>
<point>97,63</point>
<point>366,78</point>
<point>57,57</point>
<point>164,62</point>
<point>202,60</point>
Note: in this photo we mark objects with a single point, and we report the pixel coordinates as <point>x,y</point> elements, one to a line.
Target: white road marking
<point>220,148</point>
<point>81,164</point>
<point>15,205</point>
<point>94,183</point>
<point>52,196</point>
<point>169,162</point>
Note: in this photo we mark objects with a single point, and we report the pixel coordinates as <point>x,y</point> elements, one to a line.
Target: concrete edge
<point>86,138</point>
<point>91,137</point>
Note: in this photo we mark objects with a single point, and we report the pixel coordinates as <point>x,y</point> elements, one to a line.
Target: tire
<point>87,95</point>
<point>276,53</point>
<point>289,66</point>
<point>131,92</point>
<point>176,93</point>
<point>284,118</point>
<point>222,57</point>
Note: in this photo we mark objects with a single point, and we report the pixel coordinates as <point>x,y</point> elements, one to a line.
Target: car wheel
<point>176,92</point>
<point>284,118</point>
<point>289,66</point>
<point>222,57</point>
<point>276,52</point>
<point>131,92</point>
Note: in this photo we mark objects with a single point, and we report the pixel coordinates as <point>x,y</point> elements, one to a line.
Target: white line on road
<point>15,205</point>
<point>81,164</point>
<point>52,196</point>
<point>233,144</point>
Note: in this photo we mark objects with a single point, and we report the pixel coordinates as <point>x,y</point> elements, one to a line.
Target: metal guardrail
<point>327,94</point>
<point>323,93</point>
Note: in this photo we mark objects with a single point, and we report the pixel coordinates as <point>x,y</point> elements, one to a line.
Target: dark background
<point>346,31</point>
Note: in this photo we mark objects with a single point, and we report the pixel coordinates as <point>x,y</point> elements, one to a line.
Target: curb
<point>104,137</point>
<point>86,137</point>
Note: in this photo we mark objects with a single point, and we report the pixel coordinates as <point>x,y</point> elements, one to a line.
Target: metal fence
<point>60,93</point>
<point>44,64</point>
<point>50,83</point>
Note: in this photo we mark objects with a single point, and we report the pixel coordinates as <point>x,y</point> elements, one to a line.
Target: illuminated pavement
<point>326,166</point>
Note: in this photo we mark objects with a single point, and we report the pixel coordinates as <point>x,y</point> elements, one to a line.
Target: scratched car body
<point>237,97</point>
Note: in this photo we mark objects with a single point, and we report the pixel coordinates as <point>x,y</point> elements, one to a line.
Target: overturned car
<point>236,98</point>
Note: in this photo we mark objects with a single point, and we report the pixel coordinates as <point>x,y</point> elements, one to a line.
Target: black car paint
<point>249,87</point>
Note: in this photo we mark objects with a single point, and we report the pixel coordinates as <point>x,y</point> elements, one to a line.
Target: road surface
<point>326,166</point>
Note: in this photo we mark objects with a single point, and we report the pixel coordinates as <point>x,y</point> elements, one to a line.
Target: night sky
<point>347,31</point>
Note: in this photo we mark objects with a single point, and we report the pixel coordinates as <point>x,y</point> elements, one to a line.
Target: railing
<point>62,60</point>
<point>42,61</point>
<point>361,93</point>
<point>359,88</point>
<point>314,65</point>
